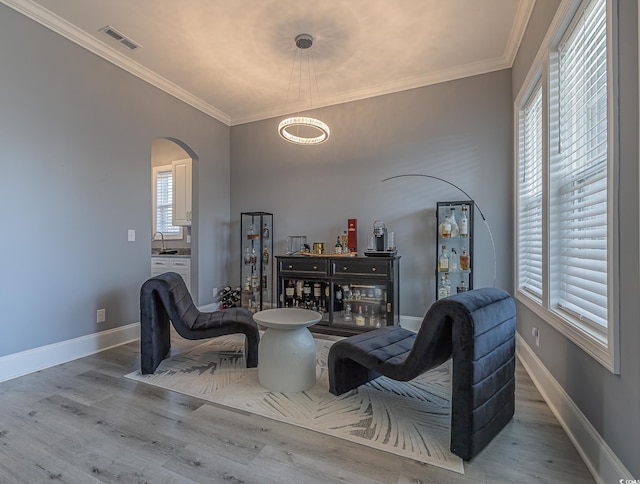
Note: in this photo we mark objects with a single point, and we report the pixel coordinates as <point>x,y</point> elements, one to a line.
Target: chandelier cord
<point>493,245</point>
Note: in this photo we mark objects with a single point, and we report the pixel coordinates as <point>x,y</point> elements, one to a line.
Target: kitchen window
<point>162,204</point>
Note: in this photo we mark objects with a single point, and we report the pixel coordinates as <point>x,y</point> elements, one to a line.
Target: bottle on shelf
<point>347,312</point>
<point>447,284</point>
<point>455,230</point>
<point>345,242</point>
<point>442,289</point>
<point>247,256</point>
<point>247,284</point>
<point>445,228</point>
<point>265,232</point>
<point>254,256</point>
<point>337,300</point>
<point>453,260</point>
<point>265,256</point>
<point>306,291</point>
<point>464,260</point>
<point>443,260</point>
<point>464,222</point>
<point>360,317</point>
<point>462,287</point>
<point>317,291</point>
<point>289,293</point>
<point>338,247</point>
<point>251,232</point>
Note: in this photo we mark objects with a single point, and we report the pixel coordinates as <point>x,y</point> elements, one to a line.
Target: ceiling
<point>233,59</point>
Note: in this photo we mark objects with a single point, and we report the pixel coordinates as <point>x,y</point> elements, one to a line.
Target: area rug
<point>410,419</point>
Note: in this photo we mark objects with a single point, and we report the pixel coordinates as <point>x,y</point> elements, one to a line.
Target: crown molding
<point>62,27</point>
<point>444,75</point>
<point>519,26</point>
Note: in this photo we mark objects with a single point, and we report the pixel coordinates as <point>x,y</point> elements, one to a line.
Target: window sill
<point>576,332</point>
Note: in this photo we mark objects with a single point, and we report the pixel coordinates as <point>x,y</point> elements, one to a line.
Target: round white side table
<point>287,352</point>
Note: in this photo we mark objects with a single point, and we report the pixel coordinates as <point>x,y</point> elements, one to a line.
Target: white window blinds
<point>164,195</point>
<point>530,196</point>
<point>579,172</point>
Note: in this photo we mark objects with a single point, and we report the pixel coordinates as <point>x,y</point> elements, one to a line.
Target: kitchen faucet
<point>161,236</point>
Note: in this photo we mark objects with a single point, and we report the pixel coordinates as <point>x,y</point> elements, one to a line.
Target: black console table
<point>354,294</point>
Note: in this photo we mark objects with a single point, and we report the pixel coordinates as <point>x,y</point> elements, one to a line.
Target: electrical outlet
<point>215,291</point>
<point>131,235</point>
<point>536,333</point>
<point>101,315</point>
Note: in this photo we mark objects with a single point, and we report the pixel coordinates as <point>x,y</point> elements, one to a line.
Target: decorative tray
<point>380,253</point>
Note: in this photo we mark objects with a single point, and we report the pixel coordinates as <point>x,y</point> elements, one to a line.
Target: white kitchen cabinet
<point>181,265</point>
<point>181,206</point>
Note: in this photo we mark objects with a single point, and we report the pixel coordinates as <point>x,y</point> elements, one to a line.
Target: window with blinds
<point>530,196</point>
<point>163,204</point>
<point>566,178</point>
<point>578,174</point>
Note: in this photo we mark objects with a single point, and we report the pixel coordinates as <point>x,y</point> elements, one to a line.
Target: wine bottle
<point>338,247</point>
<point>289,293</point>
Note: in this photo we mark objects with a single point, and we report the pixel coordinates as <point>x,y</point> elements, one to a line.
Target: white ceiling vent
<point>115,35</point>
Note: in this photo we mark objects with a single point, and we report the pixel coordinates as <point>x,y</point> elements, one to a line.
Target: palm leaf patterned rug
<point>410,419</point>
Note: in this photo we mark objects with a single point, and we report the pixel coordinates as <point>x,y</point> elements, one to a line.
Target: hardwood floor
<point>82,422</point>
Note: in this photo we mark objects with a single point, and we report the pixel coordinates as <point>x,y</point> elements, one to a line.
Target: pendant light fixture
<point>304,130</point>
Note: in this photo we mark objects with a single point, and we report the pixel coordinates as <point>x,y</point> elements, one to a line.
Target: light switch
<point>131,235</point>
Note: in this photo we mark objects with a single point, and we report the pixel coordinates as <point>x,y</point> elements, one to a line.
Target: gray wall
<point>76,136</point>
<point>610,402</point>
<point>460,131</point>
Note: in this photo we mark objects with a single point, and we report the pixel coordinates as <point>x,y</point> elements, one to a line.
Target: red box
<point>352,234</point>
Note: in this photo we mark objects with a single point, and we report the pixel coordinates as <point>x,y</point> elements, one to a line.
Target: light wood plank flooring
<point>82,422</point>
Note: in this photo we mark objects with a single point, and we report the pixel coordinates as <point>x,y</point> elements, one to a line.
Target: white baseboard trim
<point>601,461</point>
<point>25,362</point>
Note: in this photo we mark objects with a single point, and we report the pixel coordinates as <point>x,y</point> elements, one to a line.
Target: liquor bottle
<point>265,256</point>
<point>464,260</point>
<point>337,299</point>
<point>306,291</point>
<point>299,290</point>
<point>453,260</point>
<point>347,312</point>
<point>455,230</point>
<point>345,242</point>
<point>247,256</point>
<point>289,293</point>
<point>247,284</point>
<point>447,284</point>
<point>265,232</point>
<point>359,317</point>
<point>317,290</point>
<point>445,228</point>
<point>464,222</point>
<point>442,289</point>
<point>338,247</point>
<point>443,260</point>
<point>462,287</point>
<point>254,280</point>
<point>250,232</point>
<point>254,256</point>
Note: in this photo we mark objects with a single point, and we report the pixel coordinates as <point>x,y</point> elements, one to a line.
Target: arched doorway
<point>172,210</point>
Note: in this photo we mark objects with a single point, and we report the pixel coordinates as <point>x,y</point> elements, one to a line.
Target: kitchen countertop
<point>182,253</point>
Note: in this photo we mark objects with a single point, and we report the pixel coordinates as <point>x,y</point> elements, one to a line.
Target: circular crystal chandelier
<point>304,130</point>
